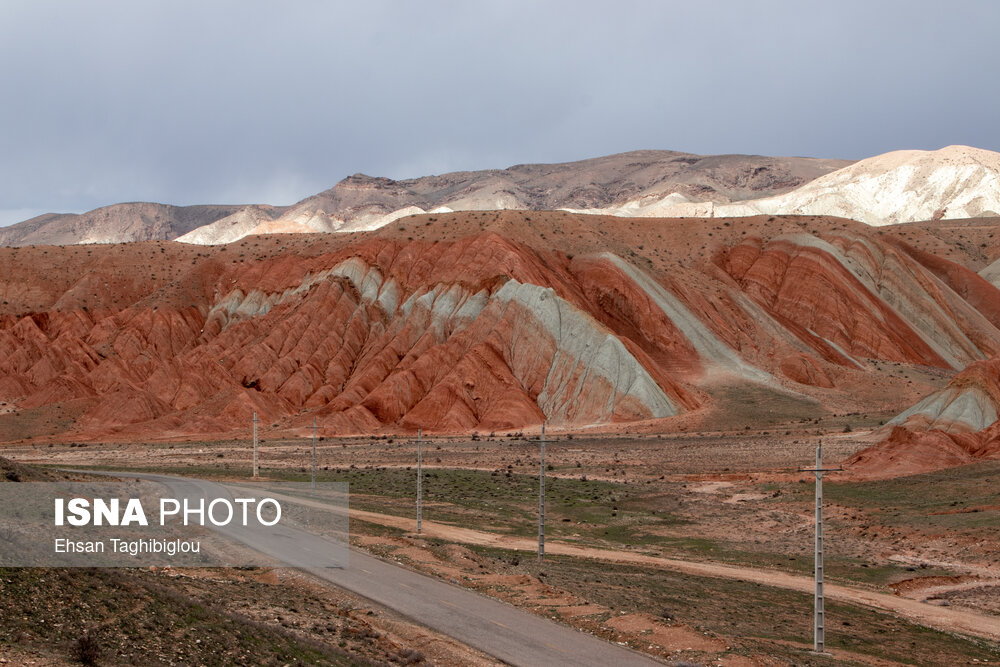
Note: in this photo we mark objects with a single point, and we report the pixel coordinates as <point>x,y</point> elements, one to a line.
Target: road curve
<point>496,628</point>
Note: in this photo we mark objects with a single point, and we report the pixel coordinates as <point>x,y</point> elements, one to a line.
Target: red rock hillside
<point>954,426</point>
<point>487,321</point>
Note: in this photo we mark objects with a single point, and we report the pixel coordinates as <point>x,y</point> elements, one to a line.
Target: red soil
<point>419,325</point>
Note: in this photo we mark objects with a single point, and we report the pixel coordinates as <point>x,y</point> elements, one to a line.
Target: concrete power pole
<point>314,459</point>
<point>256,469</point>
<point>819,620</point>
<point>420,482</point>
<point>541,498</point>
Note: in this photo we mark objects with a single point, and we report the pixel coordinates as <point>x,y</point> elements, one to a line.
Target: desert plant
<point>87,649</point>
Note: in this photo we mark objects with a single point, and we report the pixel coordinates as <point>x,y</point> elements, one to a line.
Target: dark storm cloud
<point>232,102</point>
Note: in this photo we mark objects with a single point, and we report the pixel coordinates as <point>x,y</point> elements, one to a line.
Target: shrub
<point>87,650</point>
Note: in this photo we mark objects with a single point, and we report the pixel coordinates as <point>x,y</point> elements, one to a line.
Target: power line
<point>819,613</point>
<point>541,498</point>
<point>256,468</point>
<point>420,479</point>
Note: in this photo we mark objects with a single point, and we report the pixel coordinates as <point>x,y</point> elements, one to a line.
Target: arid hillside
<point>954,182</point>
<point>119,223</point>
<point>493,321</point>
<point>361,202</point>
<point>954,426</point>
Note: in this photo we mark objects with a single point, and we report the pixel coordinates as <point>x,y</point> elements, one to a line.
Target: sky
<point>245,101</point>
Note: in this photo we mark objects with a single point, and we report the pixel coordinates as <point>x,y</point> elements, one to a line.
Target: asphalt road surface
<point>493,627</point>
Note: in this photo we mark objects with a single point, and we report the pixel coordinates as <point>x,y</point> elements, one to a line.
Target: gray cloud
<point>246,101</point>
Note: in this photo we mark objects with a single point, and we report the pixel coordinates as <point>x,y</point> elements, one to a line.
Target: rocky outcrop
<point>482,322</point>
<point>905,452</point>
<point>472,335</point>
<point>954,426</point>
<point>852,298</point>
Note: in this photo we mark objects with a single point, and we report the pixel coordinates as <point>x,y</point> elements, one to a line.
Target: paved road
<point>493,627</point>
<point>496,628</point>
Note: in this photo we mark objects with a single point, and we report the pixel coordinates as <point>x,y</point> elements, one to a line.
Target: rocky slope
<point>120,223</point>
<point>490,321</point>
<point>954,426</point>
<point>232,227</point>
<point>956,182</point>
<point>902,186</point>
<point>363,202</point>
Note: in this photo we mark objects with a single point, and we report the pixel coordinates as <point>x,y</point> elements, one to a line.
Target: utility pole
<point>420,482</point>
<point>819,628</point>
<point>541,498</point>
<point>314,459</point>
<point>256,469</point>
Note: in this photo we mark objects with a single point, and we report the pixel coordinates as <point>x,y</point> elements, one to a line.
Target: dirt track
<point>942,618</point>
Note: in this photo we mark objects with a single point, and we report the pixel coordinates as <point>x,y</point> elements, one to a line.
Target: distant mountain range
<point>119,223</point>
<point>363,202</point>
<point>902,186</point>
